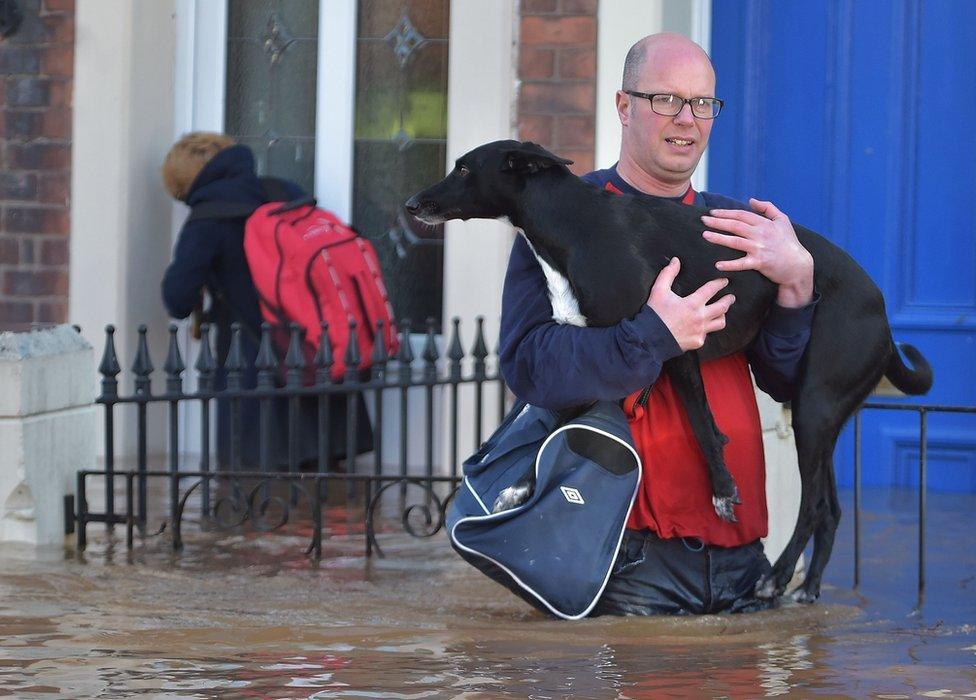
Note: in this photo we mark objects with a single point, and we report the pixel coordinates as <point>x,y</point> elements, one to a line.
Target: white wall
<point>481,108</point>
<point>122,128</point>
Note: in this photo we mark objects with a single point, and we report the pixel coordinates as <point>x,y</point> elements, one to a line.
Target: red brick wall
<point>36,70</point>
<point>557,67</point>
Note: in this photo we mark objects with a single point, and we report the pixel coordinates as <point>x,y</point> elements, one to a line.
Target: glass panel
<point>400,143</point>
<point>272,57</point>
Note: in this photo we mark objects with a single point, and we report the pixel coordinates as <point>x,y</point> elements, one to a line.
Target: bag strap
<point>221,210</point>
<point>275,190</point>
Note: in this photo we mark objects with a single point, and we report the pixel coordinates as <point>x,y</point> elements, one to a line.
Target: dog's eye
<point>463,170</point>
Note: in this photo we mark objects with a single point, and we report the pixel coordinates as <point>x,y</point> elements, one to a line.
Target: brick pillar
<point>36,69</point>
<point>557,69</point>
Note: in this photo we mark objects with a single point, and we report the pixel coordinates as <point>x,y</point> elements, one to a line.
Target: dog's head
<point>484,182</point>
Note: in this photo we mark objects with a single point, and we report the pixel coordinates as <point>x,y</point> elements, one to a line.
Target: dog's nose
<point>412,205</point>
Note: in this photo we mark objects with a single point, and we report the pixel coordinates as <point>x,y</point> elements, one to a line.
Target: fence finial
<point>379,357</point>
<point>143,366</point>
<point>352,357</point>
<point>455,350</point>
<point>205,365</point>
<point>323,357</point>
<point>266,363</point>
<point>173,367</point>
<point>234,364</point>
<point>430,353</point>
<point>109,367</point>
<point>295,358</point>
<point>480,350</point>
<point>405,354</point>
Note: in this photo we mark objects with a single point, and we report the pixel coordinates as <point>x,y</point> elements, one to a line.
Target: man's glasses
<point>668,105</point>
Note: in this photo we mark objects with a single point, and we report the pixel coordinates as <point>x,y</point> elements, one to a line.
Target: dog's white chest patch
<point>565,307</point>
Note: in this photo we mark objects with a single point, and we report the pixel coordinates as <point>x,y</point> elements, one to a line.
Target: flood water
<point>247,615</point>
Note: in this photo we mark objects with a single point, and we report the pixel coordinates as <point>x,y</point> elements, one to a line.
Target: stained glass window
<point>400,143</point>
<point>272,62</point>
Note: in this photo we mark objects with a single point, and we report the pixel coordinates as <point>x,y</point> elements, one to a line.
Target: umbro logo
<point>572,495</point>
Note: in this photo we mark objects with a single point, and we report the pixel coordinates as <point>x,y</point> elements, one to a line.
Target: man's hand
<point>689,318</point>
<point>771,248</point>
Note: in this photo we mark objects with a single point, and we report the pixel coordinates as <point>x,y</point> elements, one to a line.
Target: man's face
<point>667,148</point>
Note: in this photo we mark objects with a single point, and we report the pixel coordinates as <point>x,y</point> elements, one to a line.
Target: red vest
<point>675,497</point>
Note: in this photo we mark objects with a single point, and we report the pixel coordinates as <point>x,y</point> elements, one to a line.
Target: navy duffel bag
<point>555,550</point>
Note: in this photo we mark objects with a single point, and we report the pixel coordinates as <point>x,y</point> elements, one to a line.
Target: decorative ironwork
<point>231,497</point>
<point>251,503</point>
<point>401,138</point>
<point>401,133</point>
<point>277,38</point>
<point>248,499</point>
<point>405,40</point>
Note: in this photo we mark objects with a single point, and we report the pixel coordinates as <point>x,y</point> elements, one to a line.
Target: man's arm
<point>188,272</point>
<point>775,354</point>
<point>554,365</point>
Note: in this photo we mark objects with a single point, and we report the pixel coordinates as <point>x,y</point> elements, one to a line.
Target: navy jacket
<point>210,252</point>
<point>555,365</point>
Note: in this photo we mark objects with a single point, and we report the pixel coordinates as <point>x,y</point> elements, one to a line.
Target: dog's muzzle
<point>412,205</point>
<point>424,210</point>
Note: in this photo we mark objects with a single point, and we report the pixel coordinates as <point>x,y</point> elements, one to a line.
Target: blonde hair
<point>187,157</point>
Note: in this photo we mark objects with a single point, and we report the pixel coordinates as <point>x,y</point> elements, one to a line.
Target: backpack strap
<point>275,190</point>
<point>221,210</point>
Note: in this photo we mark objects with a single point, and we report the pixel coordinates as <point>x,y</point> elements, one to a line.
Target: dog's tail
<point>917,380</point>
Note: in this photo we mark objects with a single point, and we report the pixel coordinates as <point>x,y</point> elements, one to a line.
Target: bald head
<point>660,48</point>
<point>659,152</point>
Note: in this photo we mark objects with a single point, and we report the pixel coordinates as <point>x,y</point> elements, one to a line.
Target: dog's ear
<point>531,157</point>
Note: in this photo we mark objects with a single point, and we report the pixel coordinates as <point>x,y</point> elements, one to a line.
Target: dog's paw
<point>803,596</point>
<point>725,504</point>
<point>725,507</point>
<point>513,496</point>
<point>766,588</point>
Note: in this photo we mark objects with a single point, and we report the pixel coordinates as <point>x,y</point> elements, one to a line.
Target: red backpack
<point>309,267</point>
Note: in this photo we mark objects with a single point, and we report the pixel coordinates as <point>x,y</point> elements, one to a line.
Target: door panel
<point>853,118</point>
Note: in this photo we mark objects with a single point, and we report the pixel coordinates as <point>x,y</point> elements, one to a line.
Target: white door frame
<point>481,95</point>
<point>201,82</point>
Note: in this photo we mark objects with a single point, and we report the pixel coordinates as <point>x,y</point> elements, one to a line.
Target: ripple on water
<point>244,615</point>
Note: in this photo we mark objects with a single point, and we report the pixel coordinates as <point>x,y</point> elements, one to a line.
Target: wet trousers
<point>682,576</point>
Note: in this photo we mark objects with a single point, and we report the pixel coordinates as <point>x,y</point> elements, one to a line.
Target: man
<point>677,555</point>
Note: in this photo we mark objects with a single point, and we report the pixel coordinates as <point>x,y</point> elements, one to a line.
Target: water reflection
<point>246,615</point>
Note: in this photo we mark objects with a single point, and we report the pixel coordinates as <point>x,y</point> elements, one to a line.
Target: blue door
<point>857,119</point>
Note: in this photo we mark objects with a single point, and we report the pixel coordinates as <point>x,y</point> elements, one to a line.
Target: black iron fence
<point>230,497</point>
<point>923,411</point>
<point>266,498</point>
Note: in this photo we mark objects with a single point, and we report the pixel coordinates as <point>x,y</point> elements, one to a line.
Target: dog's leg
<point>828,517</point>
<point>828,394</point>
<point>685,374</point>
<point>816,430</point>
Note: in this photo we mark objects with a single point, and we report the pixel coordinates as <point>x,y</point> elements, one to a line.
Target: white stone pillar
<point>47,429</point>
<point>481,107</point>
<point>121,238</point>
<point>782,475</point>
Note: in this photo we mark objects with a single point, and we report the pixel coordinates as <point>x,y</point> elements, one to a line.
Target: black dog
<point>610,276</point>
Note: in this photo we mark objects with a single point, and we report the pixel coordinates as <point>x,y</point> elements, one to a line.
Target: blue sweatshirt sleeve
<point>554,365</point>
<point>775,354</point>
<point>188,272</point>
